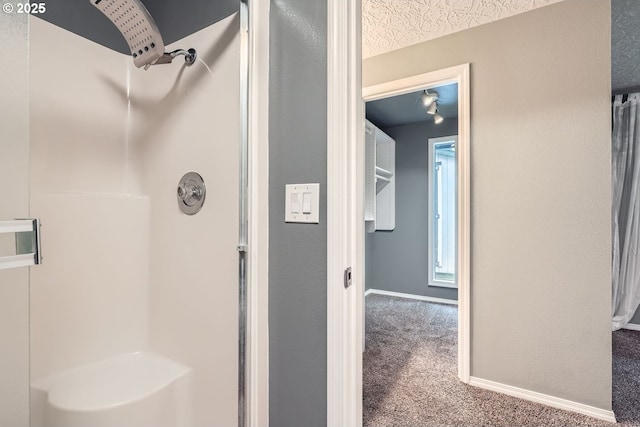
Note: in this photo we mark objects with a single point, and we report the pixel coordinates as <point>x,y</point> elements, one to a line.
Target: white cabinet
<point>380,185</point>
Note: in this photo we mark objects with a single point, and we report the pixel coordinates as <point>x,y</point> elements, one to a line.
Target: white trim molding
<point>458,74</point>
<point>344,214</point>
<point>257,378</point>
<point>411,296</point>
<point>463,275</point>
<point>415,83</point>
<point>632,327</point>
<point>555,402</point>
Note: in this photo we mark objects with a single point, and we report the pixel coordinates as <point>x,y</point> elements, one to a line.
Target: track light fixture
<point>429,98</point>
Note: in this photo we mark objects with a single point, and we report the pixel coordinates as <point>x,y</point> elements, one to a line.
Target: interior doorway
<point>410,193</point>
<point>410,253</point>
<point>459,76</point>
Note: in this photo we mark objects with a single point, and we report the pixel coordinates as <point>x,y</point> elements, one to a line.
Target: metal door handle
<point>27,238</point>
<point>347,277</point>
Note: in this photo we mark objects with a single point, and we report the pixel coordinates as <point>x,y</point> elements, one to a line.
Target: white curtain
<point>626,209</point>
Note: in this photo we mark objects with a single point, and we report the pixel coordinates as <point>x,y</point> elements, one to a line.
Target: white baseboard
<point>632,327</point>
<point>411,296</point>
<point>555,402</point>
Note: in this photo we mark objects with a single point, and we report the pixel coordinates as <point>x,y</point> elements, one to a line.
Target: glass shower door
<point>14,204</point>
<point>132,318</point>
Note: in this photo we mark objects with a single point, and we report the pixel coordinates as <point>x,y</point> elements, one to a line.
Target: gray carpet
<point>626,377</point>
<point>410,375</point>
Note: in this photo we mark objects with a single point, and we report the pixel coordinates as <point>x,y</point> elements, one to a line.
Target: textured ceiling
<point>393,24</point>
<point>625,44</point>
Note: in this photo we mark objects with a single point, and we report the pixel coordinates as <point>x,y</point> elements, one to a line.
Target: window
<point>442,227</point>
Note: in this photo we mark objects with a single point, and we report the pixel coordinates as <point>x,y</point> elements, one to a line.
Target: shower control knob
<point>182,192</point>
<point>191,193</point>
<point>196,193</point>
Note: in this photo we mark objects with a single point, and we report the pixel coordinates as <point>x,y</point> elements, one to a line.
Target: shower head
<point>137,26</point>
<point>141,32</point>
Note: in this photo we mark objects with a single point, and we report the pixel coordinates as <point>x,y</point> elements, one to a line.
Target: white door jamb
<point>345,210</point>
<point>257,375</point>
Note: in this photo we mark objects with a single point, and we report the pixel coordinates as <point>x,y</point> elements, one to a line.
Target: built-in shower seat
<point>131,390</point>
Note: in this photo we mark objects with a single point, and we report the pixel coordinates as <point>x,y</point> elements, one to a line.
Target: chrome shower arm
<point>190,57</point>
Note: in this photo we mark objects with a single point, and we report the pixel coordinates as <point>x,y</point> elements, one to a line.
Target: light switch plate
<point>296,192</point>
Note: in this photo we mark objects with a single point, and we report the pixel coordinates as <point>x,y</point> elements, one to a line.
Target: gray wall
<point>397,260</point>
<point>297,252</point>
<point>625,49</point>
<point>540,201</point>
<point>636,317</point>
<point>368,265</point>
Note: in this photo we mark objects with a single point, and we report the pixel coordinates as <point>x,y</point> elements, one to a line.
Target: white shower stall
<point>132,318</point>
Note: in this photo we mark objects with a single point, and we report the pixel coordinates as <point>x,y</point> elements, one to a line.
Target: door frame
<point>345,125</point>
<point>345,207</point>
<point>458,74</point>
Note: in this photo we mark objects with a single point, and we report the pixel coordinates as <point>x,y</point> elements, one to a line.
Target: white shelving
<point>383,177</point>
<point>380,190</point>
